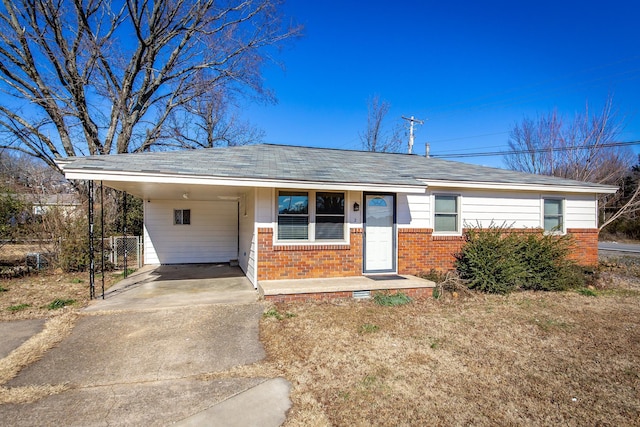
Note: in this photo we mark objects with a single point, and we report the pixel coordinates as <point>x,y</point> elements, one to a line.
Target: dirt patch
<point>524,359</point>
<point>29,297</point>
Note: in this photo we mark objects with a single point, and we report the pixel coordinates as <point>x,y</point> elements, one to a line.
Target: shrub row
<point>496,260</point>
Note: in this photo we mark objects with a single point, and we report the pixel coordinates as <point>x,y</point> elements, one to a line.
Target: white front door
<point>379,233</point>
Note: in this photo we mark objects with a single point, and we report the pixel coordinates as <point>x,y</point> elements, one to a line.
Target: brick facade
<point>585,249</point>
<point>418,251</point>
<point>414,293</point>
<point>277,262</point>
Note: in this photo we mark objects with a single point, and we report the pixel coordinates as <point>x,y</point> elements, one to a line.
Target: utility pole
<point>412,120</point>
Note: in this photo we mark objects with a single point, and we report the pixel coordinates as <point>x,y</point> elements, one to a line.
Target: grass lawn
<point>529,358</point>
<point>38,295</point>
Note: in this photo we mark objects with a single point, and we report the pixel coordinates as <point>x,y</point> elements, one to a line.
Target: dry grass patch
<point>28,394</point>
<point>55,330</point>
<point>528,358</point>
<point>28,297</point>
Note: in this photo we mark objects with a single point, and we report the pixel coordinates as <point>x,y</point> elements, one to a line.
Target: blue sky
<point>471,69</point>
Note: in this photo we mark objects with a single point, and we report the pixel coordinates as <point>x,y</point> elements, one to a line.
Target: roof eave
<point>159,178</point>
<point>554,188</point>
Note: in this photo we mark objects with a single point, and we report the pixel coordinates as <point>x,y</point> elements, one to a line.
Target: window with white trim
<point>446,214</point>
<point>182,216</point>
<point>329,216</point>
<point>321,220</point>
<point>554,215</point>
<point>293,215</point>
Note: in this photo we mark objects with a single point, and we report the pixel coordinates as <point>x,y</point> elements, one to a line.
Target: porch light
<point>356,207</point>
<point>185,196</point>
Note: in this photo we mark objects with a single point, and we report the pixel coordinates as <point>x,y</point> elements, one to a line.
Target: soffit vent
<point>361,294</point>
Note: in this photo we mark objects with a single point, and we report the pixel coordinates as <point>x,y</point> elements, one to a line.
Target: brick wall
<point>418,251</point>
<point>414,293</point>
<point>585,250</point>
<point>308,261</point>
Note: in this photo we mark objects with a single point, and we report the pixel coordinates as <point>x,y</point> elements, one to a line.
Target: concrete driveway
<point>177,286</point>
<point>162,362</point>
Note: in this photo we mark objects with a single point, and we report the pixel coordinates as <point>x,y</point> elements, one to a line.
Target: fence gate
<point>126,251</point>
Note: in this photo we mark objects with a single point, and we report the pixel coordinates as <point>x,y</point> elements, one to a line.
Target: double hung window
<point>329,216</point>
<point>293,215</point>
<point>446,217</point>
<point>554,215</point>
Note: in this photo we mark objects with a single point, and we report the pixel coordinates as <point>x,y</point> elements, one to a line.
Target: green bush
<point>488,261</point>
<point>497,260</point>
<point>74,254</point>
<point>545,259</point>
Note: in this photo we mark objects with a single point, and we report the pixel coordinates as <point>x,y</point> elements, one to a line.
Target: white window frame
<point>311,231</point>
<point>181,217</point>
<point>458,231</point>
<point>563,205</point>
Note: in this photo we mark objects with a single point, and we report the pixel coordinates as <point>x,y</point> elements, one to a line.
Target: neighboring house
<point>67,203</point>
<point>295,212</point>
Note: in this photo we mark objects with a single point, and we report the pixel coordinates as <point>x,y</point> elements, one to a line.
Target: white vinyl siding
<point>212,235</point>
<point>413,210</point>
<point>581,211</point>
<point>247,232</point>
<point>513,210</point>
<point>510,208</point>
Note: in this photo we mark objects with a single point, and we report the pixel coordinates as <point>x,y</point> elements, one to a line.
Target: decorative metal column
<point>102,235</point>
<point>92,272</point>
<point>124,230</point>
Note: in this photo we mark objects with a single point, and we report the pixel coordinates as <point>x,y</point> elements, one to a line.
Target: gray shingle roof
<point>290,163</point>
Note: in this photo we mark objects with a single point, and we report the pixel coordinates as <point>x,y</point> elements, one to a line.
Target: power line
<point>469,137</point>
<point>537,150</point>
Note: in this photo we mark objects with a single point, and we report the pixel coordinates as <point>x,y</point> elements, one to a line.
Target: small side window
<point>446,214</point>
<point>554,215</point>
<point>182,216</point>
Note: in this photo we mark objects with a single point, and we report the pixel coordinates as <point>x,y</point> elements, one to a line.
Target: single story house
<point>67,203</point>
<point>286,212</point>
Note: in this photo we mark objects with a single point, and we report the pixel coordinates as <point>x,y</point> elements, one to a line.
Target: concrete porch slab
<point>391,282</point>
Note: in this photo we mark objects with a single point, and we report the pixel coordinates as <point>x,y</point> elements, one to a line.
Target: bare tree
<point>583,149</point>
<point>101,77</point>
<point>375,137</point>
<point>206,122</point>
<point>532,143</point>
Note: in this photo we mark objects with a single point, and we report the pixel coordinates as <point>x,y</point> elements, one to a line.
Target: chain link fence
<point>121,250</point>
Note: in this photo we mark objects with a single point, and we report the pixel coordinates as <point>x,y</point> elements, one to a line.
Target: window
<point>553,215</point>
<point>446,214</point>
<point>182,216</point>
<point>329,216</point>
<point>323,219</point>
<point>293,215</point>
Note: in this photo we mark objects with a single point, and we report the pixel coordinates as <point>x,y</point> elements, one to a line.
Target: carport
<point>160,286</point>
<point>183,224</point>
